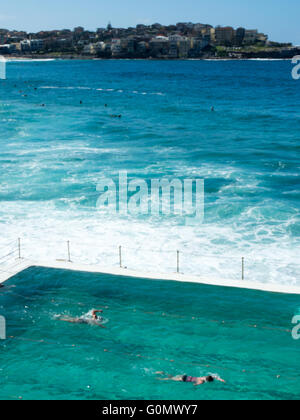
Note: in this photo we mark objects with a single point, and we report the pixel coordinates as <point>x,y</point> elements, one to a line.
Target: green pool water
<point>179,328</point>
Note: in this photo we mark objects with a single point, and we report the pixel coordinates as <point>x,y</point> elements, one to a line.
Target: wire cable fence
<point>146,259</point>
<point>10,257</point>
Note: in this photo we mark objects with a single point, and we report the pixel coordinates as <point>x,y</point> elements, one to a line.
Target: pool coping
<point>24,264</point>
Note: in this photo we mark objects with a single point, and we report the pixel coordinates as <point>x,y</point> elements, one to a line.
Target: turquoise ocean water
<point>247,151</point>
<point>51,159</point>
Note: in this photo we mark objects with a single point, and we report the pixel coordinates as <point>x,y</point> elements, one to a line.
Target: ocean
<point>58,140</point>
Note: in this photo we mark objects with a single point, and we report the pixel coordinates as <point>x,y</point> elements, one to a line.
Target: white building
<point>262,38</point>
<point>182,43</point>
<point>159,46</point>
<point>25,45</point>
<point>100,46</point>
<point>32,45</point>
<point>89,49</point>
<point>251,36</point>
<point>116,47</point>
<point>36,44</point>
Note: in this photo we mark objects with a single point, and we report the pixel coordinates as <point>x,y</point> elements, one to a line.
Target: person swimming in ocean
<point>191,379</point>
<point>94,320</point>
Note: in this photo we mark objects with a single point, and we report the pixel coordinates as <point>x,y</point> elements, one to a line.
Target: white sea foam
<point>24,60</point>
<point>95,239</point>
<point>269,59</point>
<point>107,90</point>
<point>212,249</point>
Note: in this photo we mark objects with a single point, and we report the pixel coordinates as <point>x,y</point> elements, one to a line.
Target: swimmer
<point>80,320</point>
<point>192,379</point>
<point>212,109</point>
<point>95,312</point>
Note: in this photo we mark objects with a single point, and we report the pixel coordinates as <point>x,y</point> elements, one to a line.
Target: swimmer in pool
<point>192,379</point>
<point>95,312</point>
<point>96,320</point>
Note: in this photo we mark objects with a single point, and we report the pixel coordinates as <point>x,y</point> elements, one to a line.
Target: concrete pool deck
<point>24,264</point>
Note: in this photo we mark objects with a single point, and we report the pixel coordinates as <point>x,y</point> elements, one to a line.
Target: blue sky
<point>278,18</point>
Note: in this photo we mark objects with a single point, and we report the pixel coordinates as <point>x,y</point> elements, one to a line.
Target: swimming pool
<point>179,328</point>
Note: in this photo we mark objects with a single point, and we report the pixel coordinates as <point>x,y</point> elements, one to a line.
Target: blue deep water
<point>247,151</point>
<point>58,139</point>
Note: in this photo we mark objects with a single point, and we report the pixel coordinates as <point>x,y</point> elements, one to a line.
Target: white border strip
<point>64,265</point>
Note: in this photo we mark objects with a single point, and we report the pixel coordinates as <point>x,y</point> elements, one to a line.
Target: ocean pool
<point>179,328</point>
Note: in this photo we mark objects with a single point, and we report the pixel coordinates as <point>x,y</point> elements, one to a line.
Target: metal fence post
<point>120,256</point>
<point>69,252</point>
<point>243,269</point>
<point>19,247</point>
<point>178,262</point>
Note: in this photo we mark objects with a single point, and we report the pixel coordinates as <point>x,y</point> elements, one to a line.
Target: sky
<point>277,18</point>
